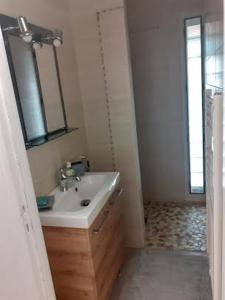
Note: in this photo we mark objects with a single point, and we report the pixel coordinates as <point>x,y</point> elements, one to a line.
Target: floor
<point>174,226</point>
<point>163,275</point>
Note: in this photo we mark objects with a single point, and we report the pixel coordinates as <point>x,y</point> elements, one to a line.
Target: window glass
<point>195,108</point>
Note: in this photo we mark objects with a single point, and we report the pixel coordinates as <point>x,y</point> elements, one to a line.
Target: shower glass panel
<point>193,36</point>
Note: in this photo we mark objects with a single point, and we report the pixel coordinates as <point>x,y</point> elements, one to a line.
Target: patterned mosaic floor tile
<point>174,226</point>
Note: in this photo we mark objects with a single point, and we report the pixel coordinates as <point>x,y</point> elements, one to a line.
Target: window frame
<point>187,102</point>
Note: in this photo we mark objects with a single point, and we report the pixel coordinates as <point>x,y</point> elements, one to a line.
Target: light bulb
<point>57,42</point>
<point>37,45</point>
<point>27,37</point>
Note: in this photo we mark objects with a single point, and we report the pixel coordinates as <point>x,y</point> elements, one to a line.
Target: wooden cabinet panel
<point>84,263</point>
<point>110,265</point>
<point>111,275</point>
<point>71,264</point>
<point>102,241</point>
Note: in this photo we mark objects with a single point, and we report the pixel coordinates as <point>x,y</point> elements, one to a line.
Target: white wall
<point>86,43</point>
<point>214,30</point>
<point>107,95</point>
<point>45,160</point>
<point>158,61</point>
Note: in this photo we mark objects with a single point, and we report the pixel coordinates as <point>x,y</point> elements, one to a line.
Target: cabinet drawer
<point>102,230</point>
<point>98,230</point>
<point>107,245</point>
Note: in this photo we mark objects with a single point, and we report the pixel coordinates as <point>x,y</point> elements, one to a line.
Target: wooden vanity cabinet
<point>85,262</point>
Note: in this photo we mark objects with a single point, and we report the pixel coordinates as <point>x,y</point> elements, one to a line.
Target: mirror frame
<point>6,22</point>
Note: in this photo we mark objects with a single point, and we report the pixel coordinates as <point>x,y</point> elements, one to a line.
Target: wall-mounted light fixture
<point>33,37</point>
<point>56,38</point>
<point>25,33</point>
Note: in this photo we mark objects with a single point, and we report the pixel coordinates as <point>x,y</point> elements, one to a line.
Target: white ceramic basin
<point>67,211</point>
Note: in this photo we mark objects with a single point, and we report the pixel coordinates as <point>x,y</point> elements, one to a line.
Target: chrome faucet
<point>63,181</point>
<point>66,182</point>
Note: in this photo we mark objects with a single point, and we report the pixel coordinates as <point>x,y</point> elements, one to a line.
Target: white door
<point>24,269</point>
<point>214,192</point>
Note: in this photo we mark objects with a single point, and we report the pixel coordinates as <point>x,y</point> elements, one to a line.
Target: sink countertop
<point>67,211</point>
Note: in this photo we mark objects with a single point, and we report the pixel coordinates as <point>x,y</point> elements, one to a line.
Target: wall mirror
<point>34,68</point>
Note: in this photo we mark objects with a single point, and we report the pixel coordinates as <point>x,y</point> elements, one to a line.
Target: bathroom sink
<point>79,206</point>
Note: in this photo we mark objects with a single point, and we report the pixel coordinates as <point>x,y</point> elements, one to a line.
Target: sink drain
<point>85,202</point>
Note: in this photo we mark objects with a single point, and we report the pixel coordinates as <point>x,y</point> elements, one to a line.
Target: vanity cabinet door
<point>70,260</point>
<point>99,237</point>
<point>107,245</point>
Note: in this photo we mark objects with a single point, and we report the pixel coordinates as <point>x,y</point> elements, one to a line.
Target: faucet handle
<point>85,162</point>
<point>62,173</point>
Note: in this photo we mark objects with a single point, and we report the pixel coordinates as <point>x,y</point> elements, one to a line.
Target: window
<point>193,38</point>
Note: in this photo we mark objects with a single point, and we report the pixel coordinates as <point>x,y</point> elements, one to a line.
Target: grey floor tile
<point>164,275</point>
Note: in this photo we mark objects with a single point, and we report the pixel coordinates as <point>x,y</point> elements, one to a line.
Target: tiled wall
<point>213,19</point>
<point>156,30</point>
<point>100,36</point>
<point>45,160</point>
<point>85,28</point>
